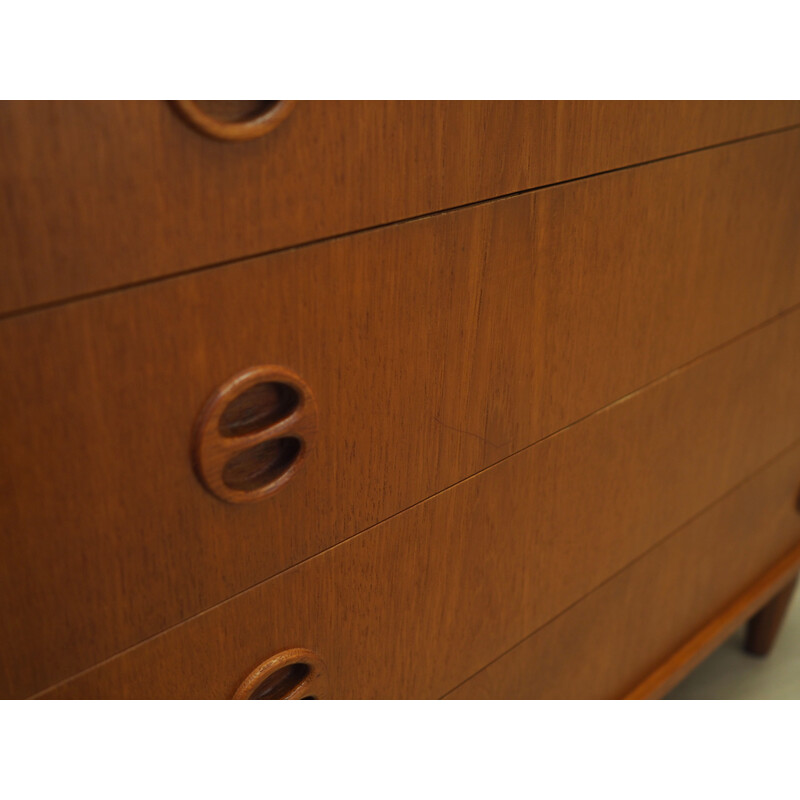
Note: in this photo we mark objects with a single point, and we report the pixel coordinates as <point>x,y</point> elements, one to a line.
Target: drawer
<point>98,195</point>
<point>422,601</point>
<point>432,350</point>
<point>607,643</point>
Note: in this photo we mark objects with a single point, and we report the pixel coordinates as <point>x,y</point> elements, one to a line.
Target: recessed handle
<point>234,120</point>
<point>254,433</point>
<point>296,674</point>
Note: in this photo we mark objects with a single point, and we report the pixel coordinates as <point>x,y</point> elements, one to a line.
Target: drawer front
<point>430,350</point>
<point>105,194</point>
<point>422,601</point>
<point>602,647</point>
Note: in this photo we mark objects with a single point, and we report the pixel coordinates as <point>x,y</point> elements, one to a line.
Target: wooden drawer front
<point>97,195</point>
<point>433,350</point>
<point>603,646</point>
<point>422,601</point>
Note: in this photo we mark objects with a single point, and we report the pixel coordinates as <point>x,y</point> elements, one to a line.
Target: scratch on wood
<point>474,435</point>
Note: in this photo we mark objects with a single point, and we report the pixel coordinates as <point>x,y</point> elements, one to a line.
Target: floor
<point>731,674</point>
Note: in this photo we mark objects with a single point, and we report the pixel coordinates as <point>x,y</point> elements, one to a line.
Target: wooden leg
<point>763,627</point>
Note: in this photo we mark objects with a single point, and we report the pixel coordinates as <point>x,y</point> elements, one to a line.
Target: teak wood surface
<point>761,595</point>
<point>95,195</point>
<point>763,628</point>
<point>632,627</point>
<point>417,604</point>
<point>434,349</point>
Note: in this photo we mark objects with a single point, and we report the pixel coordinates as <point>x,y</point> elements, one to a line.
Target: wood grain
<point>434,349</point>
<point>639,634</point>
<point>422,601</point>
<point>681,662</point>
<point>95,195</point>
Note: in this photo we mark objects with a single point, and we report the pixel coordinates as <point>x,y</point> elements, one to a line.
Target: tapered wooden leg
<point>763,627</point>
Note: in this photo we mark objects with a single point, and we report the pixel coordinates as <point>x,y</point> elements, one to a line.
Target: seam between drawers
<point>37,307</point>
<point>631,563</point>
<point>644,387</point>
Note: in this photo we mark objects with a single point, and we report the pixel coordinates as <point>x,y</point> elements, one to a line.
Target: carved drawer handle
<point>254,433</point>
<point>296,674</point>
<point>234,120</point>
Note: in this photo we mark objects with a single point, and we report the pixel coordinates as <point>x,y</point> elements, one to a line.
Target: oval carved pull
<point>296,674</point>
<point>234,120</point>
<point>254,433</point>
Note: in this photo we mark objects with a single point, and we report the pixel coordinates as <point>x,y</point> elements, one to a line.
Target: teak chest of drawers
<point>408,400</point>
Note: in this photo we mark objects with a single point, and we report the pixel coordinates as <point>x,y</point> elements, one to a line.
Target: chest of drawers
<point>394,399</point>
